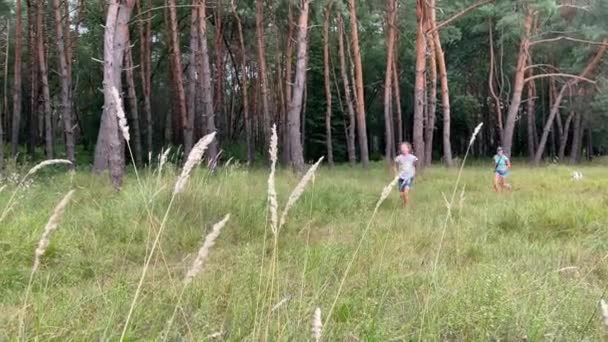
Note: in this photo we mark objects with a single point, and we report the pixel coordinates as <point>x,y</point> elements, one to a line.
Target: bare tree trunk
<point>531,113</point>
<point>220,65</point>
<point>432,108</point>
<point>245,87</point>
<point>46,97</point>
<point>518,85</point>
<point>145,68</point>
<point>132,95</point>
<point>391,12</point>
<point>192,91</point>
<point>205,78</point>
<point>419,85</point>
<point>497,103</point>
<point>595,60</point>
<point>4,109</point>
<point>397,98</point>
<point>361,124</point>
<point>576,138</point>
<point>109,151</point>
<point>327,78</point>
<point>445,91</point>
<point>66,83</point>
<point>563,140</point>
<point>17,91</point>
<point>174,38</point>
<point>295,108</point>
<point>33,138</point>
<point>350,139</point>
<point>263,77</point>
<point>284,132</point>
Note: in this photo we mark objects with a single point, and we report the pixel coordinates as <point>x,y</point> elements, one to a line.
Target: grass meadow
<point>526,265</point>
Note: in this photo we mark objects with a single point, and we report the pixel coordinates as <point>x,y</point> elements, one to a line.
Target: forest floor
<point>526,265</point>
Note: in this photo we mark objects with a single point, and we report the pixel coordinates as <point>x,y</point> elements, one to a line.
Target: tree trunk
<point>518,85</point>
<point>497,103</point>
<point>327,78</point>
<point>205,78</point>
<point>595,60</point>
<point>432,102</point>
<point>531,113</point>
<point>391,11</point>
<point>176,57</point>
<point>284,133</point>
<point>65,82</point>
<point>44,79</point>
<point>145,68</point>
<point>244,88</point>
<point>220,65</point>
<point>109,150</point>
<point>34,119</point>
<point>17,91</point>
<point>576,138</point>
<point>192,91</point>
<point>563,139</point>
<point>419,84</point>
<point>350,136</point>
<point>295,108</point>
<point>445,91</point>
<point>397,98</point>
<point>133,110</point>
<point>361,124</point>
<point>4,109</point>
<point>263,77</point>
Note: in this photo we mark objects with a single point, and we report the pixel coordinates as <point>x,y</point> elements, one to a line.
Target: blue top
<point>501,163</point>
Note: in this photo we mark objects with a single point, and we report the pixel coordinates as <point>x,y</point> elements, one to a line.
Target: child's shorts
<point>405,183</point>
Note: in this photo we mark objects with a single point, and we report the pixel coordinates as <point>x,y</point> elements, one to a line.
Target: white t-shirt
<point>405,165</point>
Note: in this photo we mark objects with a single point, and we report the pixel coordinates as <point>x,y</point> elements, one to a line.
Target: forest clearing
<point>525,265</point>
<point>286,170</point>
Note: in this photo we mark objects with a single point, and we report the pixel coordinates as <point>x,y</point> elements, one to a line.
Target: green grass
<point>527,264</point>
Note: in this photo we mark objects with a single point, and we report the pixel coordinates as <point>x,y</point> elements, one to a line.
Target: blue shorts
<point>502,173</point>
<point>405,183</point>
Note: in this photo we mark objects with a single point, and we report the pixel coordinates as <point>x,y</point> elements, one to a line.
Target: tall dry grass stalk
<point>272,191</point>
<point>197,266</point>
<point>448,215</point>
<point>298,190</point>
<point>43,244</point>
<point>163,160</point>
<point>120,113</point>
<point>383,196</point>
<point>203,253</point>
<point>194,158</point>
<point>317,325</point>
<point>32,171</point>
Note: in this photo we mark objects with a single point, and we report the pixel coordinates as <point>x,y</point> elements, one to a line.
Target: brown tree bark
<point>361,124</point>
<point>593,63</point>
<point>145,71</point>
<point>432,108</point>
<point>491,80</point>
<point>109,150</point>
<point>193,94</point>
<point>4,109</point>
<point>295,108</point>
<point>419,84</point>
<point>34,117</point>
<point>445,90</point>
<point>391,11</point>
<point>244,87</point>
<point>263,77</point>
<point>220,65</point>
<point>132,99</point>
<point>397,98</point>
<point>518,84</point>
<point>577,137</point>
<point>65,81</point>
<point>17,91</point>
<point>563,139</point>
<point>44,82</point>
<point>175,55</point>
<point>205,71</point>
<point>327,78</point>
<point>350,140</point>
<point>531,116</point>
<point>283,131</point>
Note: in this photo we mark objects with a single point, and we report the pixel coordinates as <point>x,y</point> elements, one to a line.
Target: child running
<point>405,168</point>
<point>502,164</point>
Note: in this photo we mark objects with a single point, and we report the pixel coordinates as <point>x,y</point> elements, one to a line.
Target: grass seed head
<point>272,191</point>
<point>317,325</point>
<point>203,253</point>
<point>194,158</point>
<point>46,163</point>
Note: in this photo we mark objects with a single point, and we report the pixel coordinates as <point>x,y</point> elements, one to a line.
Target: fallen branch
<point>555,39</point>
